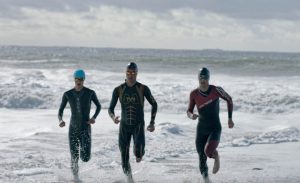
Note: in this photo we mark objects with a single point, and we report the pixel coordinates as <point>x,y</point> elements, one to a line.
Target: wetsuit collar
<point>131,85</point>
<point>79,90</point>
<point>205,93</point>
<point>205,90</point>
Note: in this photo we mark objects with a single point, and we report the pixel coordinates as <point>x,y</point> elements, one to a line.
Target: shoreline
<point>35,149</point>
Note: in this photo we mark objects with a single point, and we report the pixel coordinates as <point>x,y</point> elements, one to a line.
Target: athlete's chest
<point>130,96</point>
<point>205,99</point>
<point>79,97</point>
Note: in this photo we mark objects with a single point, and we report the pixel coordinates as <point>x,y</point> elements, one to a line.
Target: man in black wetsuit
<point>131,96</point>
<point>206,98</point>
<point>80,99</point>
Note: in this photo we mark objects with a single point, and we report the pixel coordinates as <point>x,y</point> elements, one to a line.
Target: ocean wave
<point>238,62</point>
<point>291,134</point>
<point>168,128</point>
<point>27,89</point>
<point>268,103</point>
<point>43,88</point>
<point>33,171</point>
<point>26,61</point>
<point>37,77</point>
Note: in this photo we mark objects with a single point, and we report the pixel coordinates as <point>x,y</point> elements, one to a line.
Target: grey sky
<point>254,9</point>
<point>198,24</point>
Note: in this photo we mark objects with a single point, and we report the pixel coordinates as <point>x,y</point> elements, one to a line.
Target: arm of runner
<point>91,121</point>
<point>228,99</point>
<point>98,108</point>
<point>153,103</point>
<point>192,116</point>
<point>61,110</point>
<point>230,123</point>
<point>62,124</point>
<point>191,106</point>
<point>113,103</point>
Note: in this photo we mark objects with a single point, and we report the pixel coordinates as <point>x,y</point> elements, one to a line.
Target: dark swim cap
<point>132,66</point>
<point>203,73</point>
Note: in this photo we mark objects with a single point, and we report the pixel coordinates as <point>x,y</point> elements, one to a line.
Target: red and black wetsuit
<point>209,125</point>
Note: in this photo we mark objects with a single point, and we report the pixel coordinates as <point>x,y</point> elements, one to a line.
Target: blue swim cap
<point>79,74</point>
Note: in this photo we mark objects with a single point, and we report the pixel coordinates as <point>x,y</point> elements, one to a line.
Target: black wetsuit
<point>132,119</point>
<point>209,126</point>
<point>79,130</point>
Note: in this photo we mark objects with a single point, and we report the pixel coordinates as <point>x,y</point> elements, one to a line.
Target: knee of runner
<point>210,149</point>
<point>124,147</point>
<point>208,153</point>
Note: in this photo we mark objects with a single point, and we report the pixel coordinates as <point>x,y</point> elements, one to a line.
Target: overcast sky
<point>256,25</point>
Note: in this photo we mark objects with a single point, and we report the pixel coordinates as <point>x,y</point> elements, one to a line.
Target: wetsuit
<point>209,126</point>
<point>79,130</point>
<point>132,119</point>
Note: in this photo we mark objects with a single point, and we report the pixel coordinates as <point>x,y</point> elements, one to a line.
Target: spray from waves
<point>265,95</point>
<point>184,135</point>
<point>290,134</point>
<point>43,89</point>
<point>271,102</point>
<point>29,89</point>
<point>36,77</point>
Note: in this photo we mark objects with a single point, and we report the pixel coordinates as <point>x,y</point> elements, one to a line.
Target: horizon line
<point>150,48</point>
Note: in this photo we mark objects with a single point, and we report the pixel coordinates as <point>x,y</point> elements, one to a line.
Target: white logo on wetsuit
<point>133,99</point>
<point>206,103</point>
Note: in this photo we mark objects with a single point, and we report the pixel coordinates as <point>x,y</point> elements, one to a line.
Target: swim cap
<point>203,73</point>
<point>132,66</point>
<point>79,74</point>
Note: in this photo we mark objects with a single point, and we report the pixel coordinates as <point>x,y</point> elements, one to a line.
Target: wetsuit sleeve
<point>228,99</point>
<point>97,103</point>
<point>113,103</point>
<point>62,106</point>
<point>151,100</point>
<point>191,105</point>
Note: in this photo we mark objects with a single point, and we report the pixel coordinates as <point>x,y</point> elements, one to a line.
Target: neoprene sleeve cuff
<point>230,115</point>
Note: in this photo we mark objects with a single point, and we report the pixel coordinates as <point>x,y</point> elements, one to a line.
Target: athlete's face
<point>79,82</point>
<point>203,82</point>
<point>131,75</point>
